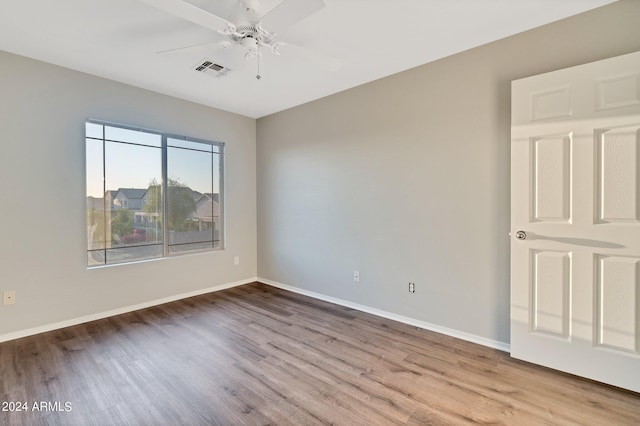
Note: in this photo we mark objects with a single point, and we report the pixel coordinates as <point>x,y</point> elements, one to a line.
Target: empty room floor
<point>256,355</point>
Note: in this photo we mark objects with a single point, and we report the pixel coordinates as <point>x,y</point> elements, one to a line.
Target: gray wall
<point>42,189</point>
<point>407,179</point>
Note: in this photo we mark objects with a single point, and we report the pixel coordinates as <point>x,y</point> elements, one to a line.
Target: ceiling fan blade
<point>326,62</point>
<point>221,8</point>
<point>190,47</point>
<point>290,12</point>
<point>189,12</point>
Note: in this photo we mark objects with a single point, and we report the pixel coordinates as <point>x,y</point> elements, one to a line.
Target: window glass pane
<point>215,206</point>
<point>132,136</point>
<point>94,130</point>
<point>95,196</point>
<point>190,196</point>
<point>95,171</point>
<point>183,248</point>
<point>95,258</point>
<point>130,254</point>
<point>147,222</point>
<point>126,198</point>
<point>178,143</point>
<point>132,176</point>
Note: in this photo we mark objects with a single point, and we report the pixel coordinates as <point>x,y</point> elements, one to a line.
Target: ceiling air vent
<point>211,68</point>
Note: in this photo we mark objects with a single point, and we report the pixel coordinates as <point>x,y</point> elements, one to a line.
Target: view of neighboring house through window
<point>150,194</point>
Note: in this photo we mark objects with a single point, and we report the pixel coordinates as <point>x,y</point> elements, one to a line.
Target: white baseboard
<point>124,310</point>
<point>384,314</point>
<point>378,312</point>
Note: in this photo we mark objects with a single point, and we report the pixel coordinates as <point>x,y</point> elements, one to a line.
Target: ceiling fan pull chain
<point>258,77</point>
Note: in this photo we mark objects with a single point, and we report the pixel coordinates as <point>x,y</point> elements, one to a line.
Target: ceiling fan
<point>253,25</point>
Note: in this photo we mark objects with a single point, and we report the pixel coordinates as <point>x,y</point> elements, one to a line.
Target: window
<point>150,194</point>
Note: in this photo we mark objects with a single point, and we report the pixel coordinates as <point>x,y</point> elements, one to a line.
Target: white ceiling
<point>118,39</point>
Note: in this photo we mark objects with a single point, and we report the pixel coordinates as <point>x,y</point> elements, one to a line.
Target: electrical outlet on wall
<point>412,287</point>
<point>356,276</point>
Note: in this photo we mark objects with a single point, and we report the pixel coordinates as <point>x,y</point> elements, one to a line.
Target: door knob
<point>521,235</point>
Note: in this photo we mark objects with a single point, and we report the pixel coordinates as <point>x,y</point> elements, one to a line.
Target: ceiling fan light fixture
<point>249,42</point>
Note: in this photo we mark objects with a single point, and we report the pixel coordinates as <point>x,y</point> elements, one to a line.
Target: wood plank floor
<point>255,355</point>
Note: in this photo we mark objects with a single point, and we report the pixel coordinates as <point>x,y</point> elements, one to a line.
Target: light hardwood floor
<point>256,355</point>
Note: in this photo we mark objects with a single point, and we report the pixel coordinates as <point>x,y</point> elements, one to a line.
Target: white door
<point>575,193</point>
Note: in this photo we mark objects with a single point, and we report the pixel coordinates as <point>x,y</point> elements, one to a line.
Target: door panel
<point>551,287</point>
<point>551,180</point>
<point>617,303</point>
<point>618,176</point>
<point>575,180</point>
